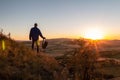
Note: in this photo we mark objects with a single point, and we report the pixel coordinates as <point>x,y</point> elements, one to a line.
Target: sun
<point>94,33</point>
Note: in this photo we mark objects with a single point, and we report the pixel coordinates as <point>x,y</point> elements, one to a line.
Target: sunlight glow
<point>94,33</point>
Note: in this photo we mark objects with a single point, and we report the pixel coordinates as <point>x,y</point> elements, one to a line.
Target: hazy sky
<point>59,18</point>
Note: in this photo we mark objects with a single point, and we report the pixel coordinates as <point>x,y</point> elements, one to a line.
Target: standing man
<point>34,36</point>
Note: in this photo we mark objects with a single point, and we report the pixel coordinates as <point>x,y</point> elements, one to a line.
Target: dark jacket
<point>35,33</point>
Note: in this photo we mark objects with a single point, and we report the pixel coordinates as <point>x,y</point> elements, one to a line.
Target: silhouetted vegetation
<point>82,62</point>
<point>18,62</point>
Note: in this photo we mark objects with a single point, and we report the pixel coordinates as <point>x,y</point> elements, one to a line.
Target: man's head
<point>35,25</point>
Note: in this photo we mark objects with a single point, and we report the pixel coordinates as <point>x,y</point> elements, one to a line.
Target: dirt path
<point>112,60</point>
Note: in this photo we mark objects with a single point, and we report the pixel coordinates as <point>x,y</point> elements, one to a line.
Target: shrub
<point>82,62</point>
<point>18,62</point>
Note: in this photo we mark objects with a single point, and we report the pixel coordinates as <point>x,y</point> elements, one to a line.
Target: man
<point>34,36</point>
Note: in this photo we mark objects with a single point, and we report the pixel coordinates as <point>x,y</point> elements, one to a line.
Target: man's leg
<point>37,44</point>
<point>32,44</point>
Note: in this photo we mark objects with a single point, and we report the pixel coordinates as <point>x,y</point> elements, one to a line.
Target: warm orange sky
<point>60,18</point>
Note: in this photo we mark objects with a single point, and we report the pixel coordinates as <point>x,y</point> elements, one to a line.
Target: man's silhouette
<point>34,36</point>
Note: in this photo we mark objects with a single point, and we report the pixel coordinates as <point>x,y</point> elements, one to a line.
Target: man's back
<point>34,33</point>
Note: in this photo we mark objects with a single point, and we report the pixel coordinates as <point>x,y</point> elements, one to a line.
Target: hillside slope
<point>17,62</point>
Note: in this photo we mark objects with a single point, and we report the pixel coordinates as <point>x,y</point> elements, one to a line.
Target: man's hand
<point>29,38</point>
<point>44,38</point>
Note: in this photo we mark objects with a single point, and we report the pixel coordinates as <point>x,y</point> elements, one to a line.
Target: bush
<point>17,62</point>
<point>82,63</point>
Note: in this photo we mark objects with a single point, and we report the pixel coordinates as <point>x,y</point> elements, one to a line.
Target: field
<point>56,47</point>
<point>109,53</point>
<point>63,59</point>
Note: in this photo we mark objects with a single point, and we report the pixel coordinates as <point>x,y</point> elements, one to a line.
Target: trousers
<point>37,45</point>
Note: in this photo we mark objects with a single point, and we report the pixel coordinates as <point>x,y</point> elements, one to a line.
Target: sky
<point>60,18</point>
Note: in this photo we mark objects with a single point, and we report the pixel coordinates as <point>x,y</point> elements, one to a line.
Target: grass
<point>107,69</point>
<point>78,62</point>
<point>110,67</point>
<point>111,54</point>
<point>18,62</point>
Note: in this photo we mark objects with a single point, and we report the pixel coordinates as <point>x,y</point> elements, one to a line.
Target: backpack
<point>44,43</point>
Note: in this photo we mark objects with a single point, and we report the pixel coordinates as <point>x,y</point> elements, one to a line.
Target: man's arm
<point>30,34</point>
<point>41,35</point>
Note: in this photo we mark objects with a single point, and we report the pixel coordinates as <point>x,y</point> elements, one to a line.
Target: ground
<point>109,51</point>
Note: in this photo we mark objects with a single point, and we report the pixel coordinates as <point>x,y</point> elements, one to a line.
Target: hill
<point>18,62</point>
<point>63,59</point>
<point>109,53</point>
